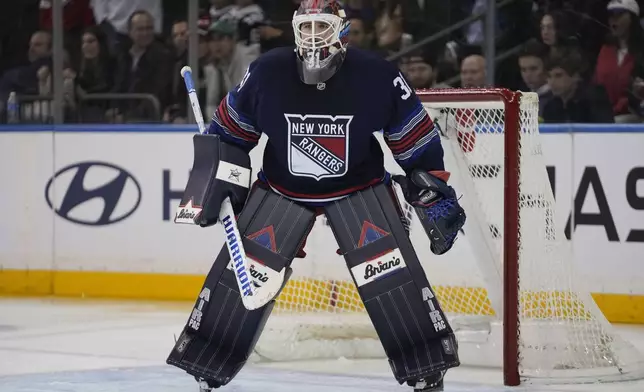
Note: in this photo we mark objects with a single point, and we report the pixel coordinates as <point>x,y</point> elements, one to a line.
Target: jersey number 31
<point>400,81</point>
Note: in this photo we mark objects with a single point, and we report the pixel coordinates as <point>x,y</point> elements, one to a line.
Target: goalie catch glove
<point>436,205</point>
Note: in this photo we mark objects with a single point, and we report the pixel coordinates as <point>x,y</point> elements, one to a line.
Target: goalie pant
<point>221,334</point>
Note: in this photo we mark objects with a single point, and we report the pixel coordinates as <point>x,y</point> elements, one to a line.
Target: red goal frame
<point>512,171</point>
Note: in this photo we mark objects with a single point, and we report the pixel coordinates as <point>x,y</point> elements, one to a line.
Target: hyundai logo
<point>93,193</point>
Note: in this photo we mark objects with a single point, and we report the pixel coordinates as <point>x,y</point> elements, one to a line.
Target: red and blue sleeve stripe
<point>231,125</point>
<point>415,135</point>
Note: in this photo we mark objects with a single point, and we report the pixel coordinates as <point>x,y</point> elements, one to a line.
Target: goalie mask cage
<point>508,287</point>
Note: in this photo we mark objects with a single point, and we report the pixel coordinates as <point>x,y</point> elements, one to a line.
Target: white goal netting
<point>562,334</point>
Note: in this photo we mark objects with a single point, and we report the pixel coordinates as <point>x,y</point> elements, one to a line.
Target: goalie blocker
<point>221,334</point>
<point>219,170</point>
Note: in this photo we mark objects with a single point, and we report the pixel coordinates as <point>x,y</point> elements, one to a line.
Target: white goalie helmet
<point>321,31</point>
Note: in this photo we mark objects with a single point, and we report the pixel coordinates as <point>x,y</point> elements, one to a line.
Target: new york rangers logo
<point>318,145</point>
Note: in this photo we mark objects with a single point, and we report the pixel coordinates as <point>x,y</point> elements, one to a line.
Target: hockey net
<point>540,325</point>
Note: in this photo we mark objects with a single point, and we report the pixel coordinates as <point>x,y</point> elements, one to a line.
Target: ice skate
<point>432,383</point>
<point>206,385</point>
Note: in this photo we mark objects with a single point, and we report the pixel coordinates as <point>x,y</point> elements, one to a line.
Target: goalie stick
<point>252,297</point>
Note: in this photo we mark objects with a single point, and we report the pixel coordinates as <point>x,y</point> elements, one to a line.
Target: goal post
<point>509,286</point>
<point>510,103</point>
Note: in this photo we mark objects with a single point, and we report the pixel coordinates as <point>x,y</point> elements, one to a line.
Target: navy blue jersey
<point>321,145</point>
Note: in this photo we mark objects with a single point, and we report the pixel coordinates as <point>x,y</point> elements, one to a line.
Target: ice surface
<point>56,345</point>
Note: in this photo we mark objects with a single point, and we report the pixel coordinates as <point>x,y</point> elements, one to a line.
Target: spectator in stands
<point>510,30</point>
<point>204,59</point>
<point>556,32</point>
<point>620,57</point>
<point>221,9</point>
<point>360,33</point>
<point>389,31</point>
<point>419,69</point>
<point>249,17</point>
<point>574,100</point>
<point>179,37</point>
<point>365,10</point>
<point>114,18</point>
<point>203,27</point>
<point>24,80</point>
<point>177,111</point>
<point>94,74</point>
<point>40,46</point>
<point>473,32</point>
<point>277,30</point>
<point>96,68</point>
<point>145,67</point>
<point>77,15</point>
<point>229,62</point>
<point>589,23</point>
<point>473,72</point>
<point>531,64</point>
<point>548,29</point>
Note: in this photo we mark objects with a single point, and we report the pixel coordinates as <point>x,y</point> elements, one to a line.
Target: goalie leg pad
<point>221,333</point>
<point>408,319</point>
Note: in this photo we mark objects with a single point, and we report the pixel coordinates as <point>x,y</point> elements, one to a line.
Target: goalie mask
<point>321,31</point>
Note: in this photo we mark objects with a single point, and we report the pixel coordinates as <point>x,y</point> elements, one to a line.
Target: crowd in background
<point>122,57</point>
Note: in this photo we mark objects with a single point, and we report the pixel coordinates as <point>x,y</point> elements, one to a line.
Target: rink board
<point>133,250</point>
